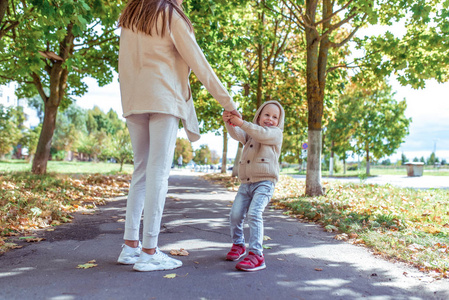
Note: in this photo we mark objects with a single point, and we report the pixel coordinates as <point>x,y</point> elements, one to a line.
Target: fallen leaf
<point>170,275</point>
<point>121,220</point>
<point>266,238</point>
<point>31,239</point>
<point>214,192</point>
<point>180,252</point>
<point>89,264</point>
<point>318,269</point>
<point>266,247</point>
<point>341,237</point>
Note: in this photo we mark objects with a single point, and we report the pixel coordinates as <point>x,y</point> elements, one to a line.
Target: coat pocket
<point>261,166</point>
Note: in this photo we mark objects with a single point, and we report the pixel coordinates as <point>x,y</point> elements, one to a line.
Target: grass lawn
<point>428,171</point>
<point>67,167</point>
<point>400,224</point>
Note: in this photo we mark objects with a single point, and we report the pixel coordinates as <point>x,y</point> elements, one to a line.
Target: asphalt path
<point>303,262</point>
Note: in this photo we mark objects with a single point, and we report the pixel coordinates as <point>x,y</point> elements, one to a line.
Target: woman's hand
<point>236,113</point>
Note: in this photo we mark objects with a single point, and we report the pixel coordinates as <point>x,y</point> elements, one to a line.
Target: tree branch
<point>40,89</point>
<point>334,13</point>
<point>349,37</point>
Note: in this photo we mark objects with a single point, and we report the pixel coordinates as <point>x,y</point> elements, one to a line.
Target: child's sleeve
<point>264,135</point>
<point>236,133</point>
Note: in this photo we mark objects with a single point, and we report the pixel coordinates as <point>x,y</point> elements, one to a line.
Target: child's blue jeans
<point>251,200</point>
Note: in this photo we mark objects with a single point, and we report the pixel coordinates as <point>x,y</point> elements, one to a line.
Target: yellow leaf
<point>180,252</point>
<point>170,276</point>
<point>87,265</point>
<point>266,238</point>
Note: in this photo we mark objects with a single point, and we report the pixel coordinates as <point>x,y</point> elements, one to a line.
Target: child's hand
<point>236,120</point>
<point>226,116</point>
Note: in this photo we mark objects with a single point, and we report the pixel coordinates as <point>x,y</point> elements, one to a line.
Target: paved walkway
<point>303,262</point>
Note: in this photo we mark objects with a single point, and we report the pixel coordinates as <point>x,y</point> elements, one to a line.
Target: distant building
<point>8,98</point>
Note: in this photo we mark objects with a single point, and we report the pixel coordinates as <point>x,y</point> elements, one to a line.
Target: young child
<point>258,173</point>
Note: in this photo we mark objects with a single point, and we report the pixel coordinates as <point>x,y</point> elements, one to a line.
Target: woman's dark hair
<point>142,15</point>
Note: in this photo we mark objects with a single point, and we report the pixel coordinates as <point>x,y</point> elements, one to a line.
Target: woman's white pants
<point>153,138</point>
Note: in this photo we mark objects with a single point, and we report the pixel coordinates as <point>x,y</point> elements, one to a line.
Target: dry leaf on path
<point>31,239</point>
<point>180,252</point>
<point>89,264</point>
<point>318,269</point>
<point>170,276</point>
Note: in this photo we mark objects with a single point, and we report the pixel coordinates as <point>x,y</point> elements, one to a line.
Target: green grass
<point>67,167</point>
<point>428,171</point>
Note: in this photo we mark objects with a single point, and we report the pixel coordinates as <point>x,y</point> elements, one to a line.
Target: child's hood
<point>281,117</point>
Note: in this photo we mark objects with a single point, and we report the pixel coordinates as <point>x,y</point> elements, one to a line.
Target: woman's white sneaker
<point>156,262</point>
<point>129,255</point>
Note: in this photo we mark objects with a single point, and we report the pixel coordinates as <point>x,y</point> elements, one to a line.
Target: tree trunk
<point>260,67</point>
<point>43,147</point>
<point>317,54</point>
<point>344,164</point>
<point>367,161</point>
<point>331,160</point>
<point>3,7</point>
<point>58,74</point>
<point>225,150</point>
<point>313,176</point>
<point>235,168</point>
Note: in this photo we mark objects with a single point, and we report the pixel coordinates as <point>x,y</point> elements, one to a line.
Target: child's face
<point>269,116</point>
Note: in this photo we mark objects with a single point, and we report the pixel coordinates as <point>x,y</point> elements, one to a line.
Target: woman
<point>157,51</point>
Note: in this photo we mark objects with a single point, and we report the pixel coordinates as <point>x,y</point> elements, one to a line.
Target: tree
<point>378,121</point>
<point>71,40</point>
<point>432,159</point>
<point>30,139</point>
<point>12,14</point>
<point>202,155</point>
<point>214,157</point>
<point>404,159</point>
<point>120,148</point>
<point>70,125</point>
<point>10,128</point>
<point>322,24</point>
<point>183,148</point>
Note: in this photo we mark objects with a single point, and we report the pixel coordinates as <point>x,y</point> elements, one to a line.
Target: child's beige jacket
<point>154,74</point>
<point>261,148</point>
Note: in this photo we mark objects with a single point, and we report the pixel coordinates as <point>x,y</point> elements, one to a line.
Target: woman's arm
<point>185,43</point>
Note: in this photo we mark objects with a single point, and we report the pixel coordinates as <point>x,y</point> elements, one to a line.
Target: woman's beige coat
<point>154,74</point>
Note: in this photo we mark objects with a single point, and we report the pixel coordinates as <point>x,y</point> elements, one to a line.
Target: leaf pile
<point>403,224</point>
<point>30,202</point>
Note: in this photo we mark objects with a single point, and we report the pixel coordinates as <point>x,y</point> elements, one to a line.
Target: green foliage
<point>183,148</point>
<point>120,148</point>
<point>369,121</point>
<point>71,40</point>
<point>10,128</point>
<point>202,155</point>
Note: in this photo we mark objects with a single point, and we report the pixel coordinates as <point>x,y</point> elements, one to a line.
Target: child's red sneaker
<point>252,262</point>
<point>237,251</point>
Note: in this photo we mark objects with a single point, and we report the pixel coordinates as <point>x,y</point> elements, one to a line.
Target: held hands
<point>233,118</point>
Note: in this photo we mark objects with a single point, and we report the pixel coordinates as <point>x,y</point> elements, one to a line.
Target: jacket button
<point>248,161</point>
<point>250,146</point>
<point>263,159</point>
<point>247,179</point>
